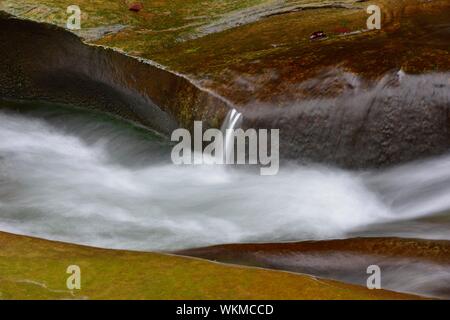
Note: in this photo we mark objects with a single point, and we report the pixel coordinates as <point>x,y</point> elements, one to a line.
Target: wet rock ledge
<point>45,62</point>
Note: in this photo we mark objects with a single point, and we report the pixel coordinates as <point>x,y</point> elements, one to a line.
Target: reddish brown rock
<point>407,265</point>
<point>342,30</point>
<point>135,6</point>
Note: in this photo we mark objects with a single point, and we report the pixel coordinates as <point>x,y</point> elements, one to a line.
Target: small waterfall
<point>232,121</point>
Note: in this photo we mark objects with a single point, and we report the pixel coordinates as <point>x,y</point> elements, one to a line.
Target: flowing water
<point>82,177</point>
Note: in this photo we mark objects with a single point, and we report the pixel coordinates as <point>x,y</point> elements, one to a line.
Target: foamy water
<point>86,179</point>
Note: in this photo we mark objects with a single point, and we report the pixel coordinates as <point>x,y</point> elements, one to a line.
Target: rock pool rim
<point>146,93</point>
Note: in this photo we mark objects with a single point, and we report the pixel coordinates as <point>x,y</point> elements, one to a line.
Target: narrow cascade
<point>232,121</point>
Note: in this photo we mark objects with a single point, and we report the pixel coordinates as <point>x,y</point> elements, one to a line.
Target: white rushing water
<point>232,121</point>
<point>76,178</point>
